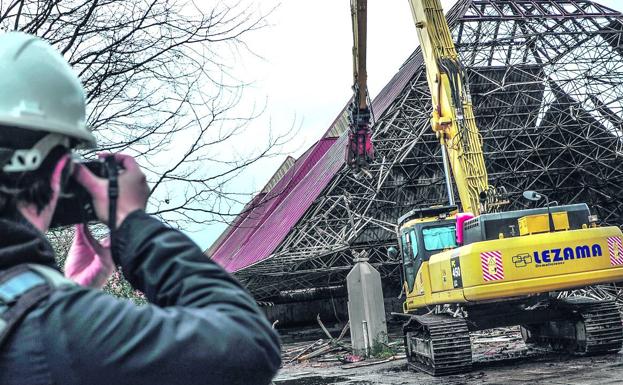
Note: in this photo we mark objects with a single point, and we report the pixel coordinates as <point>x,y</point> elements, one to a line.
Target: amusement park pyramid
<point>546,78</point>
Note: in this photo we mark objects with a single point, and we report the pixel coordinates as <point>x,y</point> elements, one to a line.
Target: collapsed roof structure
<point>546,78</point>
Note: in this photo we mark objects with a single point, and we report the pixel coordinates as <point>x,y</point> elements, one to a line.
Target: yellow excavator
<point>473,269</point>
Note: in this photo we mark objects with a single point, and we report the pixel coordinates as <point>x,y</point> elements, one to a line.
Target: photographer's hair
<point>30,187</point>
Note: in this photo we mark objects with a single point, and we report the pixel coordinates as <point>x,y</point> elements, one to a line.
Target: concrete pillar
<point>366,309</point>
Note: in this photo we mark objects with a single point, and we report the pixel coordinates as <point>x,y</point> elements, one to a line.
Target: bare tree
<point>160,83</point>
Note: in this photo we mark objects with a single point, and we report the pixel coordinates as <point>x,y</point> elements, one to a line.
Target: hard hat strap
<point>30,159</point>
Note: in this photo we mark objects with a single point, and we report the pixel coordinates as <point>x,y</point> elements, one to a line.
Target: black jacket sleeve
<point>201,327</point>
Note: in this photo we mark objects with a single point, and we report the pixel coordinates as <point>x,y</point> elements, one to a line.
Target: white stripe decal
<point>492,266</point>
<point>615,248</point>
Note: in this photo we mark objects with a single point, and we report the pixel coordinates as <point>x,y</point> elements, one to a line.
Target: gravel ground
<point>550,369</point>
<point>500,358</point>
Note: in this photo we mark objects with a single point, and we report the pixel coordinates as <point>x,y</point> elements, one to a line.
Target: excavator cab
<point>422,240</point>
<point>423,233</point>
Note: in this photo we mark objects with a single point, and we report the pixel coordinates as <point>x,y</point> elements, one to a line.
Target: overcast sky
<point>304,74</point>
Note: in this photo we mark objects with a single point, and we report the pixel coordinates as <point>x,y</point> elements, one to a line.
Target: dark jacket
<point>200,328</point>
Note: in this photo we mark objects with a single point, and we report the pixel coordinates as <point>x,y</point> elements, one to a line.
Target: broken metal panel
<point>268,222</point>
<point>278,176</point>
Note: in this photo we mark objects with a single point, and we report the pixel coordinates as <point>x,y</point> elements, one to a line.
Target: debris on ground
<point>324,350</point>
<point>501,344</point>
<point>331,351</point>
<point>351,358</point>
<point>487,346</point>
<point>377,361</point>
<point>500,357</point>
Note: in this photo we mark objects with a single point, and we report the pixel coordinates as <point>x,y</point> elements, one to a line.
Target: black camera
<point>75,204</point>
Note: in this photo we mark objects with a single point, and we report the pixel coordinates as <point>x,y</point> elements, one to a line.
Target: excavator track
<point>602,327</point>
<point>592,327</point>
<point>438,344</point>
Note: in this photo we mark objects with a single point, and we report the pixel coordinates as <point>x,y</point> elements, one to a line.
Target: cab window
<point>411,259</point>
<point>439,238</point>
<point>406,247</point>
<point>413,239</point>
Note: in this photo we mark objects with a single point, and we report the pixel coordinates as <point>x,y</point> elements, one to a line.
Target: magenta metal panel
<point>259,232</point>
<point>249,241</point>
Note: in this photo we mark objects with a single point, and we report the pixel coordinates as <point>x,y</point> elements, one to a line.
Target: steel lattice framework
<point>547,84</point>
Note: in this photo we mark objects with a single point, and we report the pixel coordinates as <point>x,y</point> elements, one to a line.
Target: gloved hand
<point>89,262</point>
<point>133,189</point>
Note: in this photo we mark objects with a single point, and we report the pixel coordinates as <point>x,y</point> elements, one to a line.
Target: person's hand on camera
<point>89,262</point>
<point>133,189</point>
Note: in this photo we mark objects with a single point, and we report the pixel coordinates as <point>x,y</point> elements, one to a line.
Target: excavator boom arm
<point>359,16</point>
<point>452,118</point>
<point>360,151</point>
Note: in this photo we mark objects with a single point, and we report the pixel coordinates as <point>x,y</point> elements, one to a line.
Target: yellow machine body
<point>538,258</point>
<point>489,267</point>
<point>519,266</point>
<point>534,224</point>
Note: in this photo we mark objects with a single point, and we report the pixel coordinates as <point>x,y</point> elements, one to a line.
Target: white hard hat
<point>39,90</point>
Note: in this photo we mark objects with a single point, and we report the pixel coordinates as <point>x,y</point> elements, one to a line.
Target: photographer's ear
<point>41,218</point>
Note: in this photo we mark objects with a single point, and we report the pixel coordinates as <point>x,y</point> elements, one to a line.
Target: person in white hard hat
<point>200,327</point>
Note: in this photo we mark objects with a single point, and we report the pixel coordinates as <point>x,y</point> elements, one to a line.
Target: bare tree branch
<point>160,84</point>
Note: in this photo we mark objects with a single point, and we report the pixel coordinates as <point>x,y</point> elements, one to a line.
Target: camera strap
<point>113,191</point>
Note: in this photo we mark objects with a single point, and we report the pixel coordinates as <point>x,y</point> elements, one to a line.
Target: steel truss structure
<point>547,85</point>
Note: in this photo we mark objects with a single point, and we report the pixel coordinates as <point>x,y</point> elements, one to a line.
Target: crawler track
<point>438,344</point>
<point>602,327</point>
<point>591,327</point>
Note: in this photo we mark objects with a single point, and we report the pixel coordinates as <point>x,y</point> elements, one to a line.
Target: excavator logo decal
<point>615,247</point>
<point>552,257</point>
<point>492,267</point>
<point>522,260</point>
